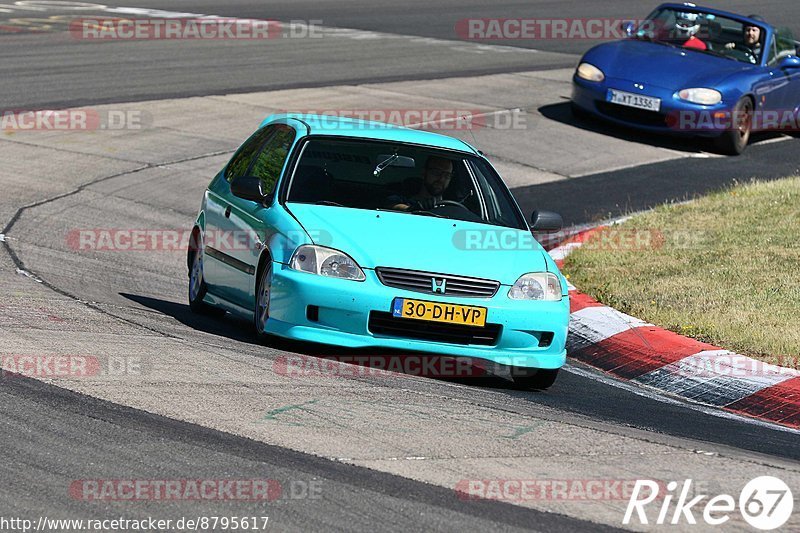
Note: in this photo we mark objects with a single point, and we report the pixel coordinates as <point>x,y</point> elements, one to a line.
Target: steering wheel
<point>444,203</point>
<point>748,53</point>
<point>741,52</point>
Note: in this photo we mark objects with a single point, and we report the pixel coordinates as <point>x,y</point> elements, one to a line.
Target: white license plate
<point>634,100</point>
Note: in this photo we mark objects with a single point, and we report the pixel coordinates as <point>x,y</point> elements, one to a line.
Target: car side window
<point>269,162</point>
<point>241,161</point>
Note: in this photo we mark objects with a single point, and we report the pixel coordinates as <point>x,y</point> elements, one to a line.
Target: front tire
<point>263,293</point>
<point>734,141</point>
<point>532,379</point>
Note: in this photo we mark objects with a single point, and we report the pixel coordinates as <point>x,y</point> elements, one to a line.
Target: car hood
<point>417,242</point>
<point>664,66</point>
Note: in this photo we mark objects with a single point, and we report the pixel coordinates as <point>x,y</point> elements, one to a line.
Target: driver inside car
<point>752,40</point>
<point>435,180</point>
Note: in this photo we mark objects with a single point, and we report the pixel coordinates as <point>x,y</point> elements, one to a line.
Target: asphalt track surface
<point>54,69</point>
<point>112,437</point>
<point>52,433</point>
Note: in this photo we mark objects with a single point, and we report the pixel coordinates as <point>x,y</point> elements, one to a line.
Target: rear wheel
<point>263,292</point>
<point>532,379</point>
<point>734,140</point>
<point>197,287</point>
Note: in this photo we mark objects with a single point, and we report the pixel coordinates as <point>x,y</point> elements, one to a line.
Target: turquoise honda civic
<point>361,234</point>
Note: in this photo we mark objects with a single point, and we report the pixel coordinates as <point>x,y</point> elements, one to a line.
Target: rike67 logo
<point>765,503</point>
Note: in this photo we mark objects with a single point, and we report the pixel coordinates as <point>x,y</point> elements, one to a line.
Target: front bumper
<point>344,309</point>
<point>676,117</point>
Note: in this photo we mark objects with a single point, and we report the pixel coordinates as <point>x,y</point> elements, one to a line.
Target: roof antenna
<point>474,140</point>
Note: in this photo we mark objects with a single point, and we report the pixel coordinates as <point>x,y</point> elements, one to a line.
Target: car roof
<point>717,12</point>
<point>365,129</point>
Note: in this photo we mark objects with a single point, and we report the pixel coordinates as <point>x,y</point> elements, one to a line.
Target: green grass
<point>724,269</point>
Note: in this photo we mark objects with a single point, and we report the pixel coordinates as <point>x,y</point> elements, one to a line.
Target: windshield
<point>704,32</point>
<point>416,180</point>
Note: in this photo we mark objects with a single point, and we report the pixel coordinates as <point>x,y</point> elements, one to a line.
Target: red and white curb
<point>634,350</point>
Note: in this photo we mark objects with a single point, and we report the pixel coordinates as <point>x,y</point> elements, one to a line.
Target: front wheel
<point>263,291</point>
<point>530,379</point>
<point>734,140</point>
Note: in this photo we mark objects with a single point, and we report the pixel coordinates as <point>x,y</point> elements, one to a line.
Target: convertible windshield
<point>417,180</point>
<point>704,32</point>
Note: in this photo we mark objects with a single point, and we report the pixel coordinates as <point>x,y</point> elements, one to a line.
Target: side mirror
<point>249,188</point>
<point>628,28</point>
<point>789,62</point>
<point>546,221</point>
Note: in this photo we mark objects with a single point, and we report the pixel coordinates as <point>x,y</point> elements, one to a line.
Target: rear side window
<point>269,163</point>
<point>240,162</point>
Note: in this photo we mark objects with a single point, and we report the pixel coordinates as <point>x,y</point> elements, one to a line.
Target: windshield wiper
<point>328,202</point>
<point>424,213</point>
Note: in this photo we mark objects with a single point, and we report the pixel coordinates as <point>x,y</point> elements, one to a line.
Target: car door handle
<point>228,212</point>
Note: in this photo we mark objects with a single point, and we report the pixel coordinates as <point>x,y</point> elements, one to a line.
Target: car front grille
<point>414,280</point>
<point>381,323</point>
<point>633,115</point>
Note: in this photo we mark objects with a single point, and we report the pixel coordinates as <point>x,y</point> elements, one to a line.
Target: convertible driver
<point>752,40</point>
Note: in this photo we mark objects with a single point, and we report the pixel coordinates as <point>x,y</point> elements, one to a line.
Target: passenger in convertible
<point>686,26</point>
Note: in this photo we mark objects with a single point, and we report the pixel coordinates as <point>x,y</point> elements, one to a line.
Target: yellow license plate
<point>439,312</point>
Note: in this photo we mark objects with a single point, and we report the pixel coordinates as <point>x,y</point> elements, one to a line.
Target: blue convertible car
<point>694,71</point>
<point>360,234</point>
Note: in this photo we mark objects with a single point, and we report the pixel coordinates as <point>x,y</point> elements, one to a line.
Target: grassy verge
<point>724,269</point>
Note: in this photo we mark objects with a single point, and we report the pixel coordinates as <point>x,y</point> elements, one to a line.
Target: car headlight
<point>537,286</point>
<point>590,72</point>
<point>326,262</point>
<point>701,96</point>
